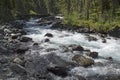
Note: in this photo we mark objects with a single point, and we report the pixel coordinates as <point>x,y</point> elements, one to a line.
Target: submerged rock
<point>91,38</point>
<point>83,61</point>
<point>93,54</point>
<point>76,47</point>
<point>47,40</point>
<point>48,35</point>
<point>109,58</point>
<point>36,44</point>
<point>104,40</point>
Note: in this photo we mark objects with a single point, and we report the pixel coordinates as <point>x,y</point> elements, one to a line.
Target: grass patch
<point>100,25</point>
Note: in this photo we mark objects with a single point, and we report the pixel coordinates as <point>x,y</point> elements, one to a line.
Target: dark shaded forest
<point>91,13</point>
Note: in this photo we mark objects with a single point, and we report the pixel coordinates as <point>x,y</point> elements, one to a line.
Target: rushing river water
<point>61,38</point>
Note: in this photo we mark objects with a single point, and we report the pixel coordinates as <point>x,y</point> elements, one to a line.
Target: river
<point>63,38</point>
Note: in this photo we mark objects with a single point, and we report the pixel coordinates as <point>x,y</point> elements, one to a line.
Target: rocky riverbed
<point>38,50</point>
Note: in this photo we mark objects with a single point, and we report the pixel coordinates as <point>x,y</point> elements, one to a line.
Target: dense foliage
<point>90,13</point>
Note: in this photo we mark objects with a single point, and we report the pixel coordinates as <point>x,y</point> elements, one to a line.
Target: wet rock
<point>36,65</point>
<point>104,40</point>
<point>3,49</point>
<point>98,64</point>
<point>18,61</point>
<point>83,61</point>
<point>22,49</point>
<point>18,24</point>
<point>49,35</point>
<point>109,58</point>
<point>46,40</point>
<point>59,71</point>
<point>43,23</point>
<point>18,69</point>
<point>50,49</point>
<point>25,39</point>
<point>93,54</point>
<point>15,36</point>
<point>56,60</point>
<point>7,31</point>
<point>35,44</point>
<point>115,32</point>
<point>80,78</point>
<point>91,38</point>
<point>87,50</point>
<point>3,59</point>
<point>103,35</point>
<point>83,30</point>
<point>76,47</point>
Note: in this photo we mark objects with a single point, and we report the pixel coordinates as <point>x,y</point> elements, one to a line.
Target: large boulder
<point>76,47</point>
<point>83,61</point>
<point>41,65</point>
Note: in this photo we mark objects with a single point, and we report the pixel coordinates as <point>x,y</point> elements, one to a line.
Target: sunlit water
<point>61,38</point>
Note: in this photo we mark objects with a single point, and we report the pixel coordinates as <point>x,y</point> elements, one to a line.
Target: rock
<point>83,61</point>
<point>93,54</point>
<point>83,30</point>
<point>115,32</point>
<point>3,49</point>
<point>76,47</point>
<point>56,60</point>
<point>18,61</point>
<point>15,36</point>
<point>25,39</point>
<point>104,41</point>
<point>91,38</point>
<point>23,32</point>
<point>22,49</point>
<point>3,59</point>
<point>36,65</point>
<point>18,69</point>
<point>99,64</point>
<point>35,44</point>
<point>80,77</point>
<point>49,35</point>
<point>46,40</point>
<point>109,58</point>
<point>50,49</point>
<point>18,24</point>
<point>59,71</point>
<point>103,35</point>
<point>7,30</point>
